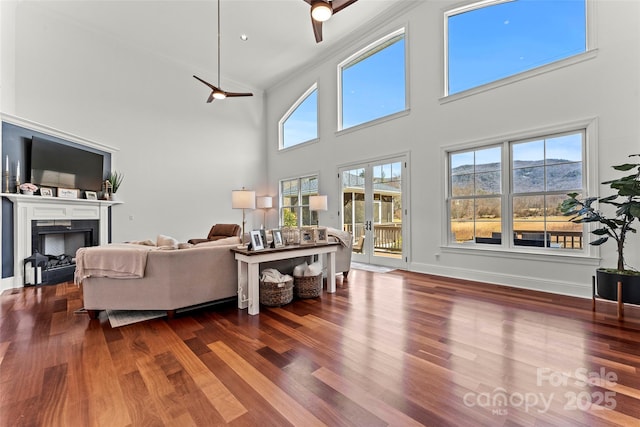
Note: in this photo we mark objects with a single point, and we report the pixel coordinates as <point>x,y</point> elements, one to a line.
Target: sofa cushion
<point>220,242</point>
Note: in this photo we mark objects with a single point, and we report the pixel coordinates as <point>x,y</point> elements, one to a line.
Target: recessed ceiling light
<point>244,37</point>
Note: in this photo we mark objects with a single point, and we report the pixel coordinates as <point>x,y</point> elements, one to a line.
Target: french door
<point>375,211</point>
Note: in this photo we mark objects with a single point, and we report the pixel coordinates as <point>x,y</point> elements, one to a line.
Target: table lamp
<point>243,199</point>
<point>266,203</point>
<point>318,203</point>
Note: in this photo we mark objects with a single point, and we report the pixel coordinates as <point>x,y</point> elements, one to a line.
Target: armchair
<point>220,231</point>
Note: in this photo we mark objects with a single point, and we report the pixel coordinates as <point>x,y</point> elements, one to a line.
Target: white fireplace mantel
<point>28,208</point>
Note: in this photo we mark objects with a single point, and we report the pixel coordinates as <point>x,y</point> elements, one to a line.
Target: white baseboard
<point>8,283</point>
<point>581,290</point>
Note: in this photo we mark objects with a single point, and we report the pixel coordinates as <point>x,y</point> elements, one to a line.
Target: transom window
<point>490,197</point>
<point>294,201</point>
<point>372,82</point>
<point>300,123</point>
<point>495,39</point>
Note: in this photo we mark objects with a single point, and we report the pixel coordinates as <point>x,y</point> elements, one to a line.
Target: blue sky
<point>498,41</point>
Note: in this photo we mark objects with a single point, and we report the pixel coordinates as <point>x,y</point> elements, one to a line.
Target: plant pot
<point>607,286</point>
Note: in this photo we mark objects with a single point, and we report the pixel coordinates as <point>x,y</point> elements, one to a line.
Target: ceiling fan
<point>322,10</point>
<point>216,91</point>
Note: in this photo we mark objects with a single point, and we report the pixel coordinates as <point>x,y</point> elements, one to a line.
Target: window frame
<point>301,99</point>
<point>299,207</point>
<point>589,254</point>
<point>591,51</point>
<point>361,52</point>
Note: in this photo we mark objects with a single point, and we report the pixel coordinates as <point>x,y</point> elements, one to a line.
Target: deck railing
<point>387,236</point>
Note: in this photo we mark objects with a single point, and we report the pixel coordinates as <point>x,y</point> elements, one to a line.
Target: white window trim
<point>590,52</point>
<point>290,111</point>
<point>588,255</point>
<point>402,30</point>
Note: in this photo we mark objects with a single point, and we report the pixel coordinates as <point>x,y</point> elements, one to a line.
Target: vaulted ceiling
<point>279,33</point>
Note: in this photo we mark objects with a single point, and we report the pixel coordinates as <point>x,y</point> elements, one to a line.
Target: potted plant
<point>115,179</point>
<point>626,201</point>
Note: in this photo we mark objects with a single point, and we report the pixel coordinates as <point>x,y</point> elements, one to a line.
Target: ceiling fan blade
<point>231,94</point>
<point>338,5</point>
<point>207,83</point>
<point>317,29</point>
<point>211,98</point>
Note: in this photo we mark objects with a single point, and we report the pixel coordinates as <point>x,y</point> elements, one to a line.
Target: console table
<point>249,269</point>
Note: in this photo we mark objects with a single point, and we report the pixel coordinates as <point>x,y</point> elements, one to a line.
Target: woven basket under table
<point>308,286</point>
<point>276,294</point>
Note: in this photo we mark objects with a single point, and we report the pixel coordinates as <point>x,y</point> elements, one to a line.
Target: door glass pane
<point>387,210</point>
<point>353,206</point>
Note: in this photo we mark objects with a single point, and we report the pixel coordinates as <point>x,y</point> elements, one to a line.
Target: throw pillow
<point>147,242</point>
<point>166,242</point>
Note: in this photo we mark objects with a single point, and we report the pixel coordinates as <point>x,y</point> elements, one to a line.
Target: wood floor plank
<point>283,403</point>
<point>399,348</point>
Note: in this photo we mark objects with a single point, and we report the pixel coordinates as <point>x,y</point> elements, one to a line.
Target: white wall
<point>605,88</point>
<point>181,156</point>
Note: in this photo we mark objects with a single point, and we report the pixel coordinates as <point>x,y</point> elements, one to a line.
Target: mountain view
<point>562,175</point>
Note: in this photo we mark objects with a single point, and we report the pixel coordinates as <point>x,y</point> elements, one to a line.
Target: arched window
<point>373,81</point>
<point>300,123</point>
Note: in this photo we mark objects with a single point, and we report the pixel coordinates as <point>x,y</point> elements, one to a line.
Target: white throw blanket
<point>120,261</point>
<point>271,275</point>
<point>344,237</point>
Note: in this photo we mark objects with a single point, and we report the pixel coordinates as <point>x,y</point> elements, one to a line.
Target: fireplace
<point>58,240</point>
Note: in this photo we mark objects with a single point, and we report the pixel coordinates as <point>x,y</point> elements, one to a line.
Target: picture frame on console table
<point>320,235</point>
<point>256,240</point>
<point>68,193</point>
<point>91,195</point>
<point>278,241</point>
<point>307,237</point>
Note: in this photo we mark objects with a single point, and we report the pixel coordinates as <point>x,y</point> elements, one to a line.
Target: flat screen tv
<point>59,165</point>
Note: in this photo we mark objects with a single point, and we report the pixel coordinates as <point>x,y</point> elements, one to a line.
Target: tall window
<point>476,187</point>
<point>373,82</point>
<point>294,201</point>
<point>530,187</point>
<point>543,171</point>
<point>491,40</point>
<point>300,123</point>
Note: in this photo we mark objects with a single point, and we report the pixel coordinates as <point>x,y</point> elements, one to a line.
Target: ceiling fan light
<point>321,11</point>
<point>219,94</point>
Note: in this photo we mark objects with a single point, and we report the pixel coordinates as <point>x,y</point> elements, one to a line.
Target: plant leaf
<point>599,241</point>
<point>625,167</point>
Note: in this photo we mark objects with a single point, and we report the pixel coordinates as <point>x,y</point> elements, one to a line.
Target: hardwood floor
<point>387,349</point>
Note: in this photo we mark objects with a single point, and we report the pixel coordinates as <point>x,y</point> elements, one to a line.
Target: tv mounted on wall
<point>59,165</point>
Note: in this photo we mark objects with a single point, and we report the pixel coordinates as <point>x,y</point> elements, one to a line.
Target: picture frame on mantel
<point>46,192</point>
<point>91,195</point>
<point>68,193</point>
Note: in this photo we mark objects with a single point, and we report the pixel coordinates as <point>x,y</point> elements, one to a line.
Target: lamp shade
<point>243,199</point>
<point>318,203</point>
<point>264,202</point>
